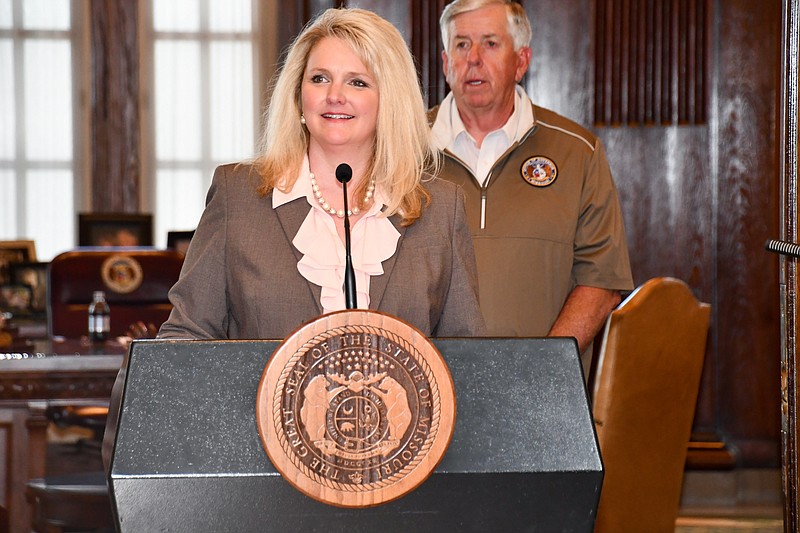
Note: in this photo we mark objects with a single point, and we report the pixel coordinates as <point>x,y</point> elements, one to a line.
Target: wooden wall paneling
<point>295,15</point>
<point>116,158</point>
<point>683,61</point>
<point>6,443</point>
<point>665,61</point>
<point>398,13</point>
<point>790,136</point>
<point>698,188</point>
<point>24,427</point>
<point>692,99</point>
<point>663,172</point>
<point>601,83</point>
<point>666,203</point>
<point>560,76</point>
<point>748,374</point>
<point>650,63</point>
<point>637,60</point>
<point>652,70</point>
<point>427,46</point>
<point>292,15</point>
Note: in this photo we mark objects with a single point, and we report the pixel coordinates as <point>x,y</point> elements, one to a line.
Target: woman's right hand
<point>140,330</point>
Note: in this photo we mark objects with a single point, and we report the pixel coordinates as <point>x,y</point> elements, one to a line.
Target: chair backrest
<point>644,399</point>
<point>136,282</point>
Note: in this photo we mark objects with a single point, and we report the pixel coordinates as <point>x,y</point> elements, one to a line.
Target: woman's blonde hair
<point>402,151</point>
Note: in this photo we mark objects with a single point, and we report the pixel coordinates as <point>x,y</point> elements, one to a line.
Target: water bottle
<point>99,317</point>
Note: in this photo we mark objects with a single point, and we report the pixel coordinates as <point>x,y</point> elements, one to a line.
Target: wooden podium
<point>188,457</point>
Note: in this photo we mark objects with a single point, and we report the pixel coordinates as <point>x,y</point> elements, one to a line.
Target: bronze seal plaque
<point>356,408</point>
<point>121,273</point>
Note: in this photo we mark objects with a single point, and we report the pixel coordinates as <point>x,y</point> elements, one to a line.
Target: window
<point>40,53</point>
<point>201,101</point>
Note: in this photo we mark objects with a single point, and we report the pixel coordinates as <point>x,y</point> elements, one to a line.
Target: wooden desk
<point>65,371</point>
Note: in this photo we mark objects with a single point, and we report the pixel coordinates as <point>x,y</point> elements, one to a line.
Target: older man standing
<point>541,203</point>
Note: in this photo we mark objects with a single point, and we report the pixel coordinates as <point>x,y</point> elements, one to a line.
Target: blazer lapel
<point>377,284</point>
<point>291,217</point>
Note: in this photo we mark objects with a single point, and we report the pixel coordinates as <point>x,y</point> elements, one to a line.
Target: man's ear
<point>524,55</point>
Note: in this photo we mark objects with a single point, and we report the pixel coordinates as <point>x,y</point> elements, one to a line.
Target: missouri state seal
<point>356,408</point>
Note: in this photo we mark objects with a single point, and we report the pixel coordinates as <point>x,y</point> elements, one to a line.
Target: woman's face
<point>339,97</point>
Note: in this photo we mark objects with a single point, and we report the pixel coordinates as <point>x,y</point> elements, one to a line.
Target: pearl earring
<point>302,119</point>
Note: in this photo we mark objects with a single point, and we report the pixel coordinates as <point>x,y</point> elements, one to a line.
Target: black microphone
<point>783,247</point>
<point>343,174</point>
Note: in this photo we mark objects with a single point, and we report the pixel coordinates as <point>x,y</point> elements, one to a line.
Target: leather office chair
<point>136,282</point>
<point>644,398</point>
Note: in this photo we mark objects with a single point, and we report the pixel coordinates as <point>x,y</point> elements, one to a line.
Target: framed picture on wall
<point>12,252</point>
<point>34,275</point>
<point>15,298</point>
<point>115,229</point>
<point>179,240</point>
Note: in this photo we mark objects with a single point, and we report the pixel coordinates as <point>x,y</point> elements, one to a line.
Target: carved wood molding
<point>426,45</point>
<point>788,270</point>
<point>651,61</point>
<point>87,385</point>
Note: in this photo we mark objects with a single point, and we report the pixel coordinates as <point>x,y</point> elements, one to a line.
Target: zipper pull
<point>483,208</point>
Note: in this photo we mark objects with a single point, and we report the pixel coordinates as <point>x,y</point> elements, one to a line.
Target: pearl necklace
<point>340,212</point>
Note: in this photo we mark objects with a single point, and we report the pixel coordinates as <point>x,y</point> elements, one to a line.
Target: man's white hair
<point>519,26</point>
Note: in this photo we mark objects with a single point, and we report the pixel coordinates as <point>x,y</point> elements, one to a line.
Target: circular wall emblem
<point>539,171</point>
<point>356,408</point>
<point>121,273</point>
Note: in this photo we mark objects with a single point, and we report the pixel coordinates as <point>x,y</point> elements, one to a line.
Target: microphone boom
<point>343,174</point>
<point>783,248</point>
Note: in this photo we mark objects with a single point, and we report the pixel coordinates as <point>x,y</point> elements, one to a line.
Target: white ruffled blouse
<point>373,239</point>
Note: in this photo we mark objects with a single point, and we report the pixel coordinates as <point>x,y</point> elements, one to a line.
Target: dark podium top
<point>188,457</point>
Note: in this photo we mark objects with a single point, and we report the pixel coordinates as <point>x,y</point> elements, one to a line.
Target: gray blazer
<point>240,277</point>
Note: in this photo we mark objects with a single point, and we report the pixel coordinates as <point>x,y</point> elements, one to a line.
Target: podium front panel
<point>188,455</point>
